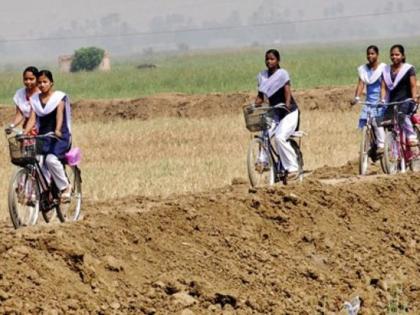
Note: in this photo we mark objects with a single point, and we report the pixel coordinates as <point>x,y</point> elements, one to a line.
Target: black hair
<point>32,69</point>
<point>401,50</point>
<point>374,48</point>
<point>275,52</point>
<point>47,73</point>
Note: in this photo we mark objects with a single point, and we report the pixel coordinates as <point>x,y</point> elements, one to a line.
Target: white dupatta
<point>268,85</point>
<point>387,76</point>
<point>51,105</point>
<point>368,76</point>
<point>22,103</point>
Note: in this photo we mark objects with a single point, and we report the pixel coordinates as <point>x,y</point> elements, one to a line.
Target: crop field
<point>207,72</point>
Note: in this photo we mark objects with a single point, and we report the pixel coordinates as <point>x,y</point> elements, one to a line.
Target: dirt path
<point>301,249</point>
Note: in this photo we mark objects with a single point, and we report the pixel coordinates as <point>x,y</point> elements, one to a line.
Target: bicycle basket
<point>257,120</point>
<point>24,151</point>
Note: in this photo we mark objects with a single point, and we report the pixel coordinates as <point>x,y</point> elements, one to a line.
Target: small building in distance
<point>64,63</point>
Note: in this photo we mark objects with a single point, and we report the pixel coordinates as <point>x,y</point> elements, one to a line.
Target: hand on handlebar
<point>355,101</point>
<point>8,130</point>
<point>58,134</point>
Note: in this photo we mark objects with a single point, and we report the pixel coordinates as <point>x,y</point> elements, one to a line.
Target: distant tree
<point>88,59</point>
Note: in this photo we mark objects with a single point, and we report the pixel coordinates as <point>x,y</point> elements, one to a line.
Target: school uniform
<point>399,90</point>
<point>54,150</point>
<point>272,87</point>
<point>372,78</point>
<point>22,102</point>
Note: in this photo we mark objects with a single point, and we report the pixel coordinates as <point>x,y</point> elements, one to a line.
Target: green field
<point>221,71</point>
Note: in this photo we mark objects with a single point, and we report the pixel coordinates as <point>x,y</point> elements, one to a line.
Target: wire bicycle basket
<point>258,118</point>
<point>23,151</point>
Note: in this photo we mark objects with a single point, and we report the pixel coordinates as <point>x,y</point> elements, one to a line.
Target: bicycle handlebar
<point>278,106</point>
<point>50,134</point>
<point>386,104</point>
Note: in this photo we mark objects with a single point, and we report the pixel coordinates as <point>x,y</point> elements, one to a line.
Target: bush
<point>88,59</point>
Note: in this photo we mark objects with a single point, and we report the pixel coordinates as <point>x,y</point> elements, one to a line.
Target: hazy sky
<point>20,18</point>
<point>233,23</point>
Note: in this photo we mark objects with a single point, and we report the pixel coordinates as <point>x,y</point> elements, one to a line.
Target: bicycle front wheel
<point>392,156</point>
<point>71,211</point>
<point>260,164</point>
<point>299,158</point>
<point>365,147</point>
<point>23,199</point>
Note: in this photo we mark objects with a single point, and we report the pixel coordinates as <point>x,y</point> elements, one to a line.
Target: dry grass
<point>170,155</point>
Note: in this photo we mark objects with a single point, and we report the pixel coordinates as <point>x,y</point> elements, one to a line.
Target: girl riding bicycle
<point>21,100</point>
<point>53,114</point>
<point>400,85</point>
<point>370,76</point>
<point>274,85</point>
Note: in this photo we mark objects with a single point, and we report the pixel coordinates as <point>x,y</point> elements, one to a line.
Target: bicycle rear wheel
<point>415,162</point>
<point>71,211</point>
<point>23,199</point>
<point>258,175</point>
<point>392,157</point>
<point>299,157</point>
<point>365,147</point>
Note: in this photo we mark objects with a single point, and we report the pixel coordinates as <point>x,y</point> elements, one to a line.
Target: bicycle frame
<point>401,151</point>
<point>279,170</point>
<point>45,189</point>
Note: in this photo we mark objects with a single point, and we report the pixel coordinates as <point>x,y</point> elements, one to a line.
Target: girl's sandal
<point>66,196</point>
<point>293,175</point>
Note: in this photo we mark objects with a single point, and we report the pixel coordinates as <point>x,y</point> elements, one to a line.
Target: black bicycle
<point>30,192</point>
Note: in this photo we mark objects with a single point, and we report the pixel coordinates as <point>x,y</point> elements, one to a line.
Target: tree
<point>88,58</point>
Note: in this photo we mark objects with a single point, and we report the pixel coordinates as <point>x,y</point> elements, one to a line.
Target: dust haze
<point>44,29</point>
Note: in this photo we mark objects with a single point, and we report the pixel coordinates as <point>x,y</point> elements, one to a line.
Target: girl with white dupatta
<point>53,114</point>
<point>400,85</point>
<point>21,100</point>
<point>370,76</point>
<point>274,85</point>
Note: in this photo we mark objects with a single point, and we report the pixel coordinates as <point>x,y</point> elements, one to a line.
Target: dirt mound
<point>286,250</point>
<point>192,106</point>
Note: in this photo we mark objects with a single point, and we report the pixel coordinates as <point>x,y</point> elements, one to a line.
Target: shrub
<point>88,59</point>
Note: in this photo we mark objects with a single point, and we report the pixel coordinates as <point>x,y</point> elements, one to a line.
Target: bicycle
<point>30,191</point>
<point>260,119</point>
<point>368,144</point>
<point>397,154</point>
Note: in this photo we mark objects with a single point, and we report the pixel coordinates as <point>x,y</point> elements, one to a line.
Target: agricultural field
<point>169,223</point>
<point>208,72</point>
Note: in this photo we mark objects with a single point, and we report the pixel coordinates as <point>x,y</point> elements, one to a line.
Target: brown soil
<point>193,106</point>
<point>301,249</point>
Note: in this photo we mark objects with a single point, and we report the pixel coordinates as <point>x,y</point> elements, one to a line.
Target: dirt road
<point>301,249</point>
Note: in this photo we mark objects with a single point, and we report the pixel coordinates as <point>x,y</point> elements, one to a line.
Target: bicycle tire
<point>14,204</point>
<point>71,211</point>
<point>49,215</point>
<point>392,158</point>
<point>365,146</point>
<point>415,163</point>
<point>299,157</point>
<point>257,178</point>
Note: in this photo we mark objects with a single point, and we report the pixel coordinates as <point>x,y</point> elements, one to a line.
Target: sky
<point>48,28</point>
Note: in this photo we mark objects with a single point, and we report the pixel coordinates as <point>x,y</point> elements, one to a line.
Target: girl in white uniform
<point>274,85</point>
<point>22,100</point>
<point>370,76</point>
